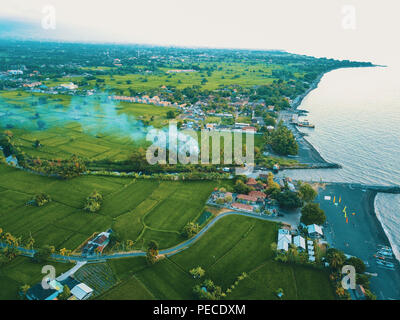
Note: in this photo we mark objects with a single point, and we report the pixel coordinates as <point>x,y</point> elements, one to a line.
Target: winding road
<point>168,252</point>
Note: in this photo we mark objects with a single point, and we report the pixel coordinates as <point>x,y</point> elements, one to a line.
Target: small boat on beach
<point>385,264</point>
<point>385,252</point>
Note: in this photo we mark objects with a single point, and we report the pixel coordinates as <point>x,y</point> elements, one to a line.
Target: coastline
<point>360,234</point>
<point>387,233</point>
<point>364,231</point>
<point>308,156</point>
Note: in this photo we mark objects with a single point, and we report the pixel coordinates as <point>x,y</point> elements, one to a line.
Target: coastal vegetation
<point>311,213</point>
<point>282,141</point>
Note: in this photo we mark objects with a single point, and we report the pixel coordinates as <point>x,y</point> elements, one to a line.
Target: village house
<point>299,242</point>
<point>97,244</point>
<point>15,72</point>
<point>247,199</point>
<point>79,291</point>
<point>261,196</point>
<point>249,129</point>
<point>251,182</point>
<point>68,86</point>
<point>284,240</point>
<point>243,207</point>
<point>314,231</point>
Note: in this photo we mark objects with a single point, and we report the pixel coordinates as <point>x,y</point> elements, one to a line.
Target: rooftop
<point>242,206</point>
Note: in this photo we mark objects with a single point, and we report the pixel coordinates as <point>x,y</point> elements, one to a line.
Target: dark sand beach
<point>307,154</point>
<point>361,234</point>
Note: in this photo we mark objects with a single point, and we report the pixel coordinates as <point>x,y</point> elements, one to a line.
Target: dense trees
<point>208,291</point>
<point>41,199</point>
<point>170,114</point>
<point>335,258</point>
<point>191,229</point>
<point>197,272</point>
<point>311,213</point>
<point>93,202</point>
<point>306,192</point>
<point>241,188</point>
<point>282,141</point>
<point>357,263</point>
<point>289,199</point>
<point>152,252</point>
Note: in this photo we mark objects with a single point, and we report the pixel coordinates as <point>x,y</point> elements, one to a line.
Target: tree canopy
<point>311,213</point>
<point>307,193</point>
<point>289,199</point>
<point>283,141</point>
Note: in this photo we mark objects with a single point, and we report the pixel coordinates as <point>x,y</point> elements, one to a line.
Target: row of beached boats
<point>384,257</point>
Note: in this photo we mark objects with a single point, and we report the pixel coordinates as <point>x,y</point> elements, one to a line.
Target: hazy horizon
<point>360,30</point>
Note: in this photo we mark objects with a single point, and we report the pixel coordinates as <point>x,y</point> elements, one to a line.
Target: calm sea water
<point>357,116</point>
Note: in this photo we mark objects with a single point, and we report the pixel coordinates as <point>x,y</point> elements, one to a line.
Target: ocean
<point>356,112</point>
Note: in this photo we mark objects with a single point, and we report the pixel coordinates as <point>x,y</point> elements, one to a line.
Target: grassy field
<point>234,245</point>
<point>21,271</point>
<point>244,74</point>
<point>139,210</point>
<point>90,135</point>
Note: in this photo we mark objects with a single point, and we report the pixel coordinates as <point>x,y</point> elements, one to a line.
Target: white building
<point>82,291</point>
<point>284,240</point>
<point>15,72</point>
<point>69,86</point>
<point>315,231</point>
<point>299,242</point>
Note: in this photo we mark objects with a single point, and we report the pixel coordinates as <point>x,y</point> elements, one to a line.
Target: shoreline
<point>317,161</point>
<point>360,234</point>
<point>372,231</point>
<point>387,233</point>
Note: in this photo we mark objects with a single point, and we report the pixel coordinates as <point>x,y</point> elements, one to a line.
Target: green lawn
<point>21,271</point>
<point>131,289</point>
<point>91,136</point>
<point>139,210</point>
<point>234,245</point>
<point>244,74</point>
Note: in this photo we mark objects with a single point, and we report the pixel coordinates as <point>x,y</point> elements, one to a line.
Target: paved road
<point>168,252</point>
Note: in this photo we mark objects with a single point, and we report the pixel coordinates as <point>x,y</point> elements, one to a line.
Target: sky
<point>345,29</point>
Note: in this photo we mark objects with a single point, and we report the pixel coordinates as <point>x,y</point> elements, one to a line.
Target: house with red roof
<point>261,196</point>
<point>251,182</point>
<point>242,206</point>
<point>244,198</point>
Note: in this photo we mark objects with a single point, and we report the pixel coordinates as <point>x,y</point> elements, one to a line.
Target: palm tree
<point>336,260</point>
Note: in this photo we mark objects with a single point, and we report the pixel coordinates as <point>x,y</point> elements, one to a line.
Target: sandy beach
<point>361,234</point>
